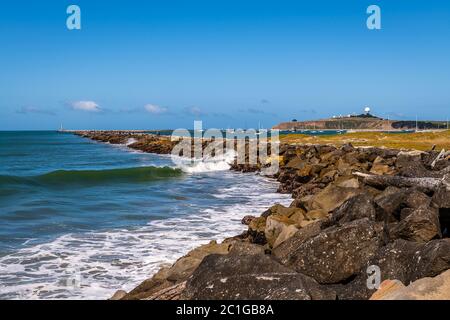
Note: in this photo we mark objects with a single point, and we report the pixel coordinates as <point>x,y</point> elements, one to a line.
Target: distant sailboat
<point>61,128</point>
<point>261,129</point>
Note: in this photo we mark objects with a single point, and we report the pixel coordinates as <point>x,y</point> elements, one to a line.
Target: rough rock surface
<point>289,245</point>
<point>250,276</point>
<point>359,207</point>
<point>401,260</point>
<point>332,197</point>
<point>437,288</point>
<point>421,224</point>
<point>336,253</point>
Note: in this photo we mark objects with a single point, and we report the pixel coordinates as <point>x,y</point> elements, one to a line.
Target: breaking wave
<point>205,164</point>
<point>95,177</point>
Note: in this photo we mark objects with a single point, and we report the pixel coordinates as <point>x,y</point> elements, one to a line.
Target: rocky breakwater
<point>144,142</point>
<point>353,209</point>
<point>147,142</point>
<point>359,217</point>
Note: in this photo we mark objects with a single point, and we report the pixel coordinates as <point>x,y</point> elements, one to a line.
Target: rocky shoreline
<point>358,215</point>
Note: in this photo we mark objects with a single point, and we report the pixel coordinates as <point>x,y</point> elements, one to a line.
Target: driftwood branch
<point>424,184</point>
<point>440,156</point>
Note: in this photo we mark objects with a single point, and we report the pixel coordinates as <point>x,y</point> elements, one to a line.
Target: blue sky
<point>163,64</point>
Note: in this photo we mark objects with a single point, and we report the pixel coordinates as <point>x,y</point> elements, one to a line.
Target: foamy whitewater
<point>112,233</point>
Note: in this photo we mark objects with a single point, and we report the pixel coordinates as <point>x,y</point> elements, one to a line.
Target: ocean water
<point>81,219</point>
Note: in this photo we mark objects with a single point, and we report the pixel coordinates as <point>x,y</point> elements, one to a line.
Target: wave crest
<point>96,177</point>
<point>206,164</point>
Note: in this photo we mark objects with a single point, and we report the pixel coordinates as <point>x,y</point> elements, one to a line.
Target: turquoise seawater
<point>81,219</point>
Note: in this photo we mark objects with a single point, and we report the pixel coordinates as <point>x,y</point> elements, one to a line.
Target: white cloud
<point>155,109</point>
<point>195,111</point>
<point>89,106</point>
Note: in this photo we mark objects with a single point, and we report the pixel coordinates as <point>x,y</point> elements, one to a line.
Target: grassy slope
<point>418,141</point>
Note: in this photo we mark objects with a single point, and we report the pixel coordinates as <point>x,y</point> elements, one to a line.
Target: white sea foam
<point>95,265</point>
<point>130,141</point>
<point>188,165</point>
<point>205,164</point>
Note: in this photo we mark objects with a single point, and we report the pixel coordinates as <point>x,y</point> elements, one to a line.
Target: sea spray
<point>206,164</point>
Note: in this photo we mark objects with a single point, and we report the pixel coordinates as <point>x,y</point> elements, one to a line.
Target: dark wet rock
<point>281,210</point>
<point>441,200</point>
<point>442,164</point>
<point>244,236</point>
<point>405,212</point>
<point>291,244</point>
<point>324,149</point>
<point>422,225</point>
<point>306,189</point>
<point>246,248</point>
<point>358,207</point>
<point>247,219</point>
<point>332,197</point>
<point>410,165</point>
<point>279,226</point>
<point>391,201</point>
<point>402,260</point>
<point>348,147</point>
<point>332,156</point>
<point>351,158</point>
<point>381,166</point>
<point>256,230</point>
<point>417,199</point>
<point>396,259</point>
<point>255,276</point>
<point>337,253</point>
<point>296,163</point>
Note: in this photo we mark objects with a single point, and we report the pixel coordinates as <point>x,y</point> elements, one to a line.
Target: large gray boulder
<point>358,207</point>
<point>391,201</point>
<point>332,197</point>
<point>240,275</point>
<point>420,225</point>
<point>337,253</point>
<point>406,261</point>
<point>417,199</point>
<point>291,244</point>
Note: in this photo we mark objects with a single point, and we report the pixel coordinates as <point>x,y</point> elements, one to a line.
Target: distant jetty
<point>361,122</point>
